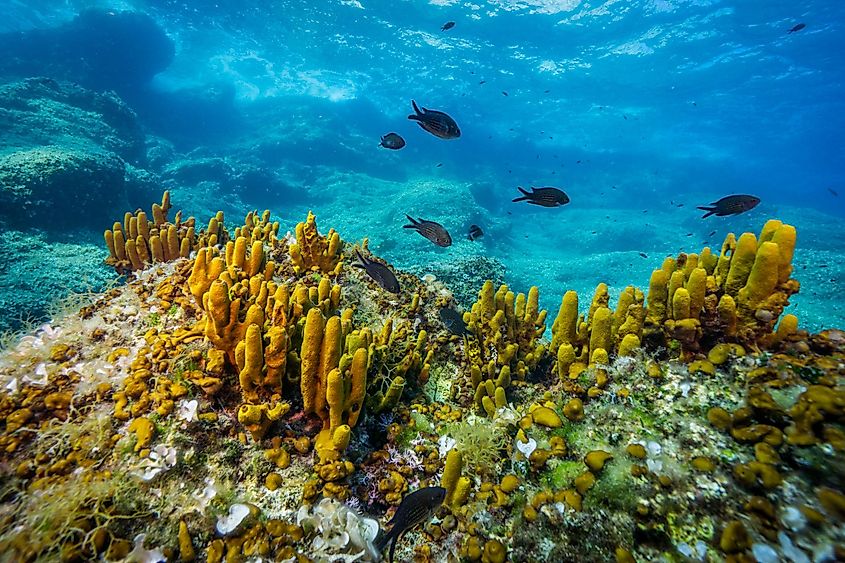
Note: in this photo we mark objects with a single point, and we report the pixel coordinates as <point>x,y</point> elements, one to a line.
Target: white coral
<point>160,459</point>
<point>340,534</point>
<point>188,410</point>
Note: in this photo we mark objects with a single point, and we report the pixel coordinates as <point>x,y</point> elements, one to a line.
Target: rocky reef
<point>247,394</point>
<point>68,156</point>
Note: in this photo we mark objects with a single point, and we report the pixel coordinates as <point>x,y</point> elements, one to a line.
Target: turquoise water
<point>639,111</point>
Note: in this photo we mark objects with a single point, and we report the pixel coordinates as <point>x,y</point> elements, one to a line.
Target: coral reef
<point>240,399</point>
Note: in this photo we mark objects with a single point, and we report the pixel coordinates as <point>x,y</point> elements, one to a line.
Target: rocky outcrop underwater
<point>248,394</point>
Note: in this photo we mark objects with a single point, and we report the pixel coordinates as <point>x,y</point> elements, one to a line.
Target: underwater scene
<point>422,281</point>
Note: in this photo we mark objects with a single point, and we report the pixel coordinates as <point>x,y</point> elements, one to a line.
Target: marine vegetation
<point>247,395</point>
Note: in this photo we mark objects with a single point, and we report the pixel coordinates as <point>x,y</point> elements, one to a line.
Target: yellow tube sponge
<point>207,268</point>
<point>330,351</point>
<point>724,262</point>
<point>787,326</point>
<point>359,384</point>
<point>565,358</point>
<point>451,474</point>
<point>250,357</point>
<point>565,327</point>
<point>741,263</point>
<point>600,330</point>
<point>312,338</point>
<point>763,278</point>
<point>769,230</point>
<point>785,237</point>
<point>681,304</point>
<point>628,345</point>
<point>313,252</point>
<point>697,288</point>
<point>658,297</point>
<point>727,315</point>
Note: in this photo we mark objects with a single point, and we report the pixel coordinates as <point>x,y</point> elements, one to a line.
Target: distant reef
<point>98,49</point>
<point>67,156</point>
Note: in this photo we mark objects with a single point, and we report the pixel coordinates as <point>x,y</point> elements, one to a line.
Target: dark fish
<point>454,321</point>
<point>392,141</point>
<point>833,192</point>
<point>643,254</point>
<point>545,197</point>
<point>730,205</point>
<point>435,122</point>
<point>447,25</point>
<point>439,164</point>
<point>798,27</point>
<point>483,82</point>
<point>430,230</point>
<point>475,232</point>
<point>415,508</point>
<point>504,93</point>
<point>380,273</point>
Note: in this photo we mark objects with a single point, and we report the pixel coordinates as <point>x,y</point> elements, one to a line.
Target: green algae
<point>561,473</point>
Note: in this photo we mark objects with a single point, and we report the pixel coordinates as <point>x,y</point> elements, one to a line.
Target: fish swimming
<point>730,205</point>
<point>380,273</point>
<point>798,27</point>
<point>544,197</point>
<point>415,508</point>
<point>454,321</point>
<point>447,25</point>
<point>475,232</point>
<point>435,122</point>
<point>430,230</point>
<point>392,141</point>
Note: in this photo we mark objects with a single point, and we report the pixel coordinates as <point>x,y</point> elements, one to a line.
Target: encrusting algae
<point>245,395</point>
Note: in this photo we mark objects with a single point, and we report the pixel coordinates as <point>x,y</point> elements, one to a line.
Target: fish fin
<point>416,108</point>
<point>415,118</point>
<point>361,258</point>
<point>392,549</point>
<point>710,211</point>
<point>521,189</point>
<point>525,195</point>
<point>413,224</point>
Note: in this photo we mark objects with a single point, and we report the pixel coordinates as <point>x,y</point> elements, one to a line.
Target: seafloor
<point>249,395</point>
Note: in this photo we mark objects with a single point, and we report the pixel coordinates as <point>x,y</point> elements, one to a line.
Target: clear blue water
<point>639,110</point>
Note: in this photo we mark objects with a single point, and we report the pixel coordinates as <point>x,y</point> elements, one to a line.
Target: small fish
<point>546,91</point>
<point>475,232</point>
<point>430,230</point>
<point>415,508</point>
<point>798,27</point>
<point>454,321</point>
<point>544,197</point>
<point>711,233</point>
<point>439,164</point>
<point>435,122</point>
<point>833,192</point>
<point>392,141</point>
<point>643,254</point>
<point>730,205</point>
<point>482,82</point>
<point>504,93</point>
<point>380,273</point>
<point>447,25</point>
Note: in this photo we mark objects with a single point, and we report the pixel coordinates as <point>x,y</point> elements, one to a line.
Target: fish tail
<point>392,549</point>
<point>413,224</point>
<point>416,108</point>
<point>525,194</point>
<point>361,258</point>
<point>710,211</point>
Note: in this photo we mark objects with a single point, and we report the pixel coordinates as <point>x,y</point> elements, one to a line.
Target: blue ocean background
<point>639,110</point>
